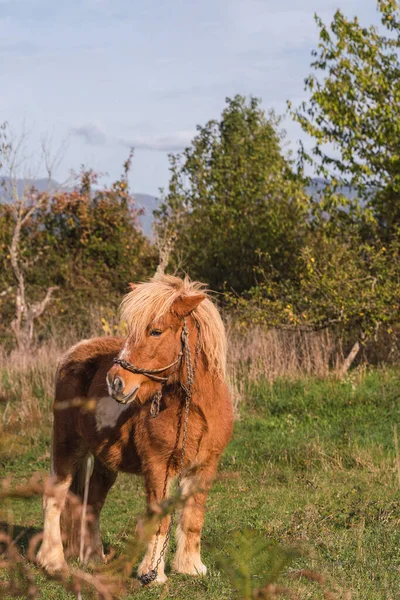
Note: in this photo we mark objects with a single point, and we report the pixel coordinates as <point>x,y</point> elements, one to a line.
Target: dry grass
<point>26,389</point>
<point>259,354</point>
<point>290,354</point>
<point>27,380</point>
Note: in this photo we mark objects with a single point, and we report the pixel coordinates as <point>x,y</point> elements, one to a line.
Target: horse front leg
<point>188,533</point>
<point>157,486</point>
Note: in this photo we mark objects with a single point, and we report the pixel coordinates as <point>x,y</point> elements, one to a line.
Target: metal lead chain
<point>151,575</point>
<point>147,578</point>
<point>155,404</point>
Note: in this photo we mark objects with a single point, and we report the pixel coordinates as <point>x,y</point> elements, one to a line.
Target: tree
<point>353,116</point>
<point>23,204</point>
<point>95,244</point>
<point>233,201</point>
<point>349,287</point>
<point>85,241</point>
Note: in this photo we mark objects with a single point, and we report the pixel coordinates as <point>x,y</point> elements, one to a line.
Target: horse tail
<point>71,517</point>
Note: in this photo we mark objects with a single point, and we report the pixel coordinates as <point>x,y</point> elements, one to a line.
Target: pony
<point>123,400</point>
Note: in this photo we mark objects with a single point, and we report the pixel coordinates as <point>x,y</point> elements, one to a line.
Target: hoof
<point>98,559</point>
<point>52,564</point>
<point>190,568</point>
<point>94,554</point>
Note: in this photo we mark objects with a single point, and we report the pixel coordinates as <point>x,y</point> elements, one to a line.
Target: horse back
<point>81,364</point>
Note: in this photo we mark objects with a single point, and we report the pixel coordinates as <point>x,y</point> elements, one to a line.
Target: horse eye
<point>155,332</point>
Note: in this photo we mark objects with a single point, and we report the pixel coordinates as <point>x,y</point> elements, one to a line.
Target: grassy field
<point>309,481</point>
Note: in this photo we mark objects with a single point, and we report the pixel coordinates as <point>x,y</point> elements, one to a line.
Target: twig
<point>84,507</point>
<point>396,445</point>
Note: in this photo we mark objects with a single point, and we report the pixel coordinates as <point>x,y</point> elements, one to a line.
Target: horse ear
<point>184,305</point>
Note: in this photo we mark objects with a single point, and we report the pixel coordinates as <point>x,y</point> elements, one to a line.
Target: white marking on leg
<point>187,557</point>
<point>146,564</point>
<point>51,553</point>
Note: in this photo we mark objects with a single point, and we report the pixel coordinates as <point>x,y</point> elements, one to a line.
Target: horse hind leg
<point>68,453</point>
<point>101,481</point>
<point>51,553</point>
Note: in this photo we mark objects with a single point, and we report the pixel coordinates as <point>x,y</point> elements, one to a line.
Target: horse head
<point>154,350</point>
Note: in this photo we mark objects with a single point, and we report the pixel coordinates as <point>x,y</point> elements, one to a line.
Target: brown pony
<point>106,392</point>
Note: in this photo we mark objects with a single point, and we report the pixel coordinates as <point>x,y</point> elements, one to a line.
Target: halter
<point>150,373</point>
<point>154,374</point>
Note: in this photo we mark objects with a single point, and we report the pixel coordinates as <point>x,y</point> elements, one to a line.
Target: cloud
<point>173,142</point>
<point>91,134</point>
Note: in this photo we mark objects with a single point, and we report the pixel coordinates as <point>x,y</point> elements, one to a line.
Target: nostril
<point>118,385</point>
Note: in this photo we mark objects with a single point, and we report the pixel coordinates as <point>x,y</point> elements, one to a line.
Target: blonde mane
<point>152,300</point>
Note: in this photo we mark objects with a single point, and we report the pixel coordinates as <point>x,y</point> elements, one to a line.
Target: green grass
<point>311,466</point>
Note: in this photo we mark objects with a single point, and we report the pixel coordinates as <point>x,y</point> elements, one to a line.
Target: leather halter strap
<point>150,373</point>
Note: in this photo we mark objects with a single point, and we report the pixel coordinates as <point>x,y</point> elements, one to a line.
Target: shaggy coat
<point>103,409</point>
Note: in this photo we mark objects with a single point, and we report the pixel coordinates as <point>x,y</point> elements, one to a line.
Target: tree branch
<point>38,307</point>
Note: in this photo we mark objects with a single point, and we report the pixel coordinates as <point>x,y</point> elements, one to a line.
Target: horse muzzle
<point>117,389</point>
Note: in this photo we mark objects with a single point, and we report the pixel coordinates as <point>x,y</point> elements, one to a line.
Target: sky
<point>100,76</point>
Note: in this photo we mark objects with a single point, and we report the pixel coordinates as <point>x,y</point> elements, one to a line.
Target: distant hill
<point>144,201</point>
<point>41,185</point>
<point>149,203</point>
